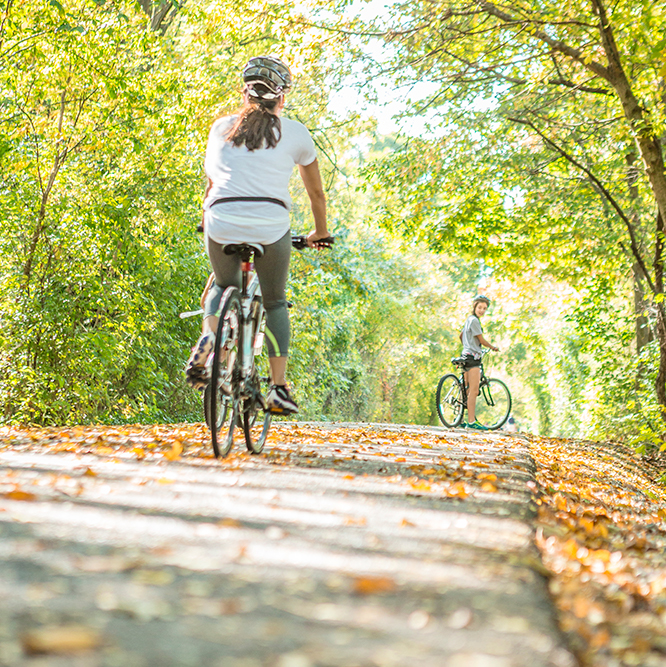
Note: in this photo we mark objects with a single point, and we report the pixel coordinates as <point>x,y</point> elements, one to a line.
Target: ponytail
<point>256,125</point>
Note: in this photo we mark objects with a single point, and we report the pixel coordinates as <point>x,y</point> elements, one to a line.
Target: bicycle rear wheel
<point>450,406</point>
<point>222,412</point>
<point>250,411</point>
<point>493,404</point>
<point>223,386</point>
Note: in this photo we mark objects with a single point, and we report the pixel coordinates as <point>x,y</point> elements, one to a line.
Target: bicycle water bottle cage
<point>244,250</point>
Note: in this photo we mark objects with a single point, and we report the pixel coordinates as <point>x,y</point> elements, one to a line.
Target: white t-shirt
<point>472,329</point>
<point>237,172</point>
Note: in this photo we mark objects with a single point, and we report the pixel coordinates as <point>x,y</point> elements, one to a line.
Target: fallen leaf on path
<point>175,452</point>
<point>373,585</point>
<point>457,490</point>
<point>19,495</point>
<point>60,639</point>
<point>355,521</point>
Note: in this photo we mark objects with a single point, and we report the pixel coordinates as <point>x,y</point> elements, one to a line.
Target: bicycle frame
<point>251,342</point>
<point>483,387</point>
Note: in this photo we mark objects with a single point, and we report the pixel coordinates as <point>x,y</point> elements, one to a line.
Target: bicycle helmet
<point>269,71</point>
<point>481,298</point>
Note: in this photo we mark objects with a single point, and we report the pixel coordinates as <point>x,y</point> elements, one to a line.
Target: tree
<point>542,111</point>
<point>103,124</point>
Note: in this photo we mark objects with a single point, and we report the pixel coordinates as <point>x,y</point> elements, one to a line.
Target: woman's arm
<point>313,186</point>
<point>483,341</point>
<point>203,215</point>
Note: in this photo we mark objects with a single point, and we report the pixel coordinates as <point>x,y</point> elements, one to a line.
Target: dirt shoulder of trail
<point>601,532</point>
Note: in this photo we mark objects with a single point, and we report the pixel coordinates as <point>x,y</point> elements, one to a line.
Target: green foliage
<point>104,114</point>
<point>530,164</point>
<point>103,125</point>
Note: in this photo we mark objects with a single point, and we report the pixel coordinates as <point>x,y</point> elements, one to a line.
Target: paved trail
<point>346,545</point>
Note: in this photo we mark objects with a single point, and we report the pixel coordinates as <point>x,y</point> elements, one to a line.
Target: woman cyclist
<point>472,339</point>
<point>249,160</point>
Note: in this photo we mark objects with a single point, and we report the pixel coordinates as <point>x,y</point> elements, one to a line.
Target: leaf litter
<point>601,525</point>
<point>601,531</point>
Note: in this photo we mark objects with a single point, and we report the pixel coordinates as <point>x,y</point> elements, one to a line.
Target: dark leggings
<point>272,270</point>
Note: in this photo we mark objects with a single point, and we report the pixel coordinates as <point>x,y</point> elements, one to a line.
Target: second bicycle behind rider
<point>249,160</point>
<point>472,340</point>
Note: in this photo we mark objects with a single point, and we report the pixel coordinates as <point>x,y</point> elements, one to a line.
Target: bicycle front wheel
<point>223,388</point>
<point>493,405</point>
<point>450,406</point>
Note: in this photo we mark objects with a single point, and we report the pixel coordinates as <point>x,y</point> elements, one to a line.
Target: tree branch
<point>609,197</point>
<point>554,44</point>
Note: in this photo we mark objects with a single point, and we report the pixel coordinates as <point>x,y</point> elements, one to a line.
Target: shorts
<point>470,361</point>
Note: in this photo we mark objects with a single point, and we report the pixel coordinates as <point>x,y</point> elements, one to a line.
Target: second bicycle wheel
<point>250,412</point>
<point>222,411</point>
<point>224,371</point>
<point>450,407</point>
<point>493,404</point>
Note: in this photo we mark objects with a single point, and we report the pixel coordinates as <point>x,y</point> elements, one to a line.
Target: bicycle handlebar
<point>298,241</point>
<point>301,241</point>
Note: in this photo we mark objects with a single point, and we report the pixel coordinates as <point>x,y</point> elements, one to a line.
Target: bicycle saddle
<point>239,248</point>
<point>458,361</point>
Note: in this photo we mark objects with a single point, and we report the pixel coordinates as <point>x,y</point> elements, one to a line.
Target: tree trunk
<point>648,142</point>
<point>643,331</point>
<point>660,384</point>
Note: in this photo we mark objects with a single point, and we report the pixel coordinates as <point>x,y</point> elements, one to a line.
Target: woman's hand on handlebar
<point>315,236</point>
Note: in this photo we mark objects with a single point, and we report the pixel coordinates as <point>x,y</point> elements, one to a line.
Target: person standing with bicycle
<point>249,161</point>
<point>472,340</point>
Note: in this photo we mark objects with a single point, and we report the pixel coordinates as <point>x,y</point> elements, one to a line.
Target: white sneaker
<point>197,373</point>
<point>279,402</point>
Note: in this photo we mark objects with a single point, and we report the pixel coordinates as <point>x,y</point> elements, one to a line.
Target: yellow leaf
<point>64,639</point>
<point>373,585</point>
<point>420,485</point>
<point>229,522</point>
<point>457,490</point>
<point>164,480</point>
<point>16,494</point>
<point>355,521</point>
<point>176,451</point>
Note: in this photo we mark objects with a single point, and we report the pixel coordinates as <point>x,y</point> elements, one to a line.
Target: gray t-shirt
<point>471,330</point>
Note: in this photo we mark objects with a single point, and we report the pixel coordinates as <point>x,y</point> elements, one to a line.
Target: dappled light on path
<point>340,545</point>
